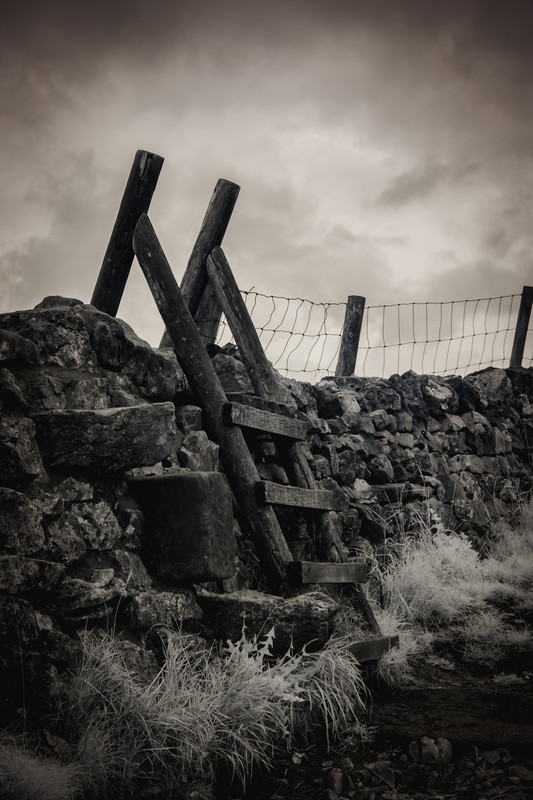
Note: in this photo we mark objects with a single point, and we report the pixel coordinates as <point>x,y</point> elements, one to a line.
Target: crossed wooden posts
<point>196,285</point>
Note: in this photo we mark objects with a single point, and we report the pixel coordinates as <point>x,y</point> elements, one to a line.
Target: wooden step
<point>276,494</point>
<point>250,417</point>
<point>373,648</point>
<point>305,572</point>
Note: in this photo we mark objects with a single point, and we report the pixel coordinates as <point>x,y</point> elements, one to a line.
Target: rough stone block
<point>21,531</point>
<point>188,532</point>
<point>148,609</point>
<point>16,348</point>
<point>108,439</point>
<point>20,460</point>
<point>21,575</point>
<point>297,621</point>
<point>99,526</point>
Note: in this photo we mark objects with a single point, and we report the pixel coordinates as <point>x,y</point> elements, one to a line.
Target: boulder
<point>232,374</point>
<point>302,621</point>
<point>107,439</point>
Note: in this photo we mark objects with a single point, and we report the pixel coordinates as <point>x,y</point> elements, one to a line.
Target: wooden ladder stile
<point>288,435</point>
<point>191,316</point>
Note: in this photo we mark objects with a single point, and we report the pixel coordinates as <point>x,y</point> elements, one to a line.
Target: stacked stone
<point>83,402</point>
<point>398,449</point>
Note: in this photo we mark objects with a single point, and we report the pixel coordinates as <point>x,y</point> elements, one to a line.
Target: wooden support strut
<point>196,364</point>
<point>118,257</point>
<point>198,295</point>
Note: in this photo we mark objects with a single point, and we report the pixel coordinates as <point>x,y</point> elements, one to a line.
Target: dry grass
<point>24,776</point>
<point>441,596</point>
<point>207,712</point>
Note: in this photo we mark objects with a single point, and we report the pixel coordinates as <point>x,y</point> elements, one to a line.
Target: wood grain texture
<point>249,417</point>
<point>275,493</point>
<point>372,649</point>
<point>119,255</point>
<point>194,281</point>
<point>311,572</point>
<point>351,332</point>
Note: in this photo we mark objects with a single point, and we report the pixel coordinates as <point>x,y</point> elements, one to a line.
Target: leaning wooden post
<point>196,364</point>
<point>266,382</point>
<point>194,279</point>
<point>118,258</point>
<point>522,325</point>
<point>263,376</point>
<point>351,331</point>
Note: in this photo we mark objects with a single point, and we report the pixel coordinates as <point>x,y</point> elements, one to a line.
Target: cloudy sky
<point>383,147</point>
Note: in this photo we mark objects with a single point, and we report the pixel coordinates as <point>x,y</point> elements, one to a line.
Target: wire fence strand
<point>302,338</point>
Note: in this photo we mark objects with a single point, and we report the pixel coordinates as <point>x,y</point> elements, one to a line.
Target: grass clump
<point>25,776</point>
<point>207,712</point>
<point>438,592</point>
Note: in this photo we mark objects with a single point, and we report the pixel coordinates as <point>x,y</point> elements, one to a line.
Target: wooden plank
<point>372,649</point>
<point>196,364</point>
<point>350,335</point>
<point>249,417</point>
<point>118,257</point>
<point>264,378</point>
<point>368,610</point>
<point>522,325</point>
<point>276,494</point>
<point>306,572</point>
<point>194,279</point>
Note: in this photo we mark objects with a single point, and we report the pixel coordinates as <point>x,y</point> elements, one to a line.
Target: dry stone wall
<point>92,417</point>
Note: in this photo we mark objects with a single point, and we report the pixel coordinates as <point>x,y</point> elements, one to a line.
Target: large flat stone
<point>305,620</point>
<point>107,439</point>
<point>188,533</point>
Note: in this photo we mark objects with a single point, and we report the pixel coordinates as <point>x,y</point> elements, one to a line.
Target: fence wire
<point>302,338</point>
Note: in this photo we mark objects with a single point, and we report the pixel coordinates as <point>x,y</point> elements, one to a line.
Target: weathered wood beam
<point>194,282</point>
<point>196,364</point>
<point>118,257</point>
<point>250,417</point>
<point>351,332</point>
<point>311,572</point>
<point>522,325</point>
<point>372,649</point>
<point>277,494</point>
<point>263,376</point>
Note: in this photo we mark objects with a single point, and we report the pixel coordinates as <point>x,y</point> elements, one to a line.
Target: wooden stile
<point>196,364</point>
<point>118,258</point>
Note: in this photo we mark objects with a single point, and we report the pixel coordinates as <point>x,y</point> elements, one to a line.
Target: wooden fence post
<point>350,335</point>
<point>194,281</point>
<point>118,258</point>
<point>200,373</point>
<point>522,325</point>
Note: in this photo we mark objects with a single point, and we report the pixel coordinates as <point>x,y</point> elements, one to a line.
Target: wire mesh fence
<point>302,338</point>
